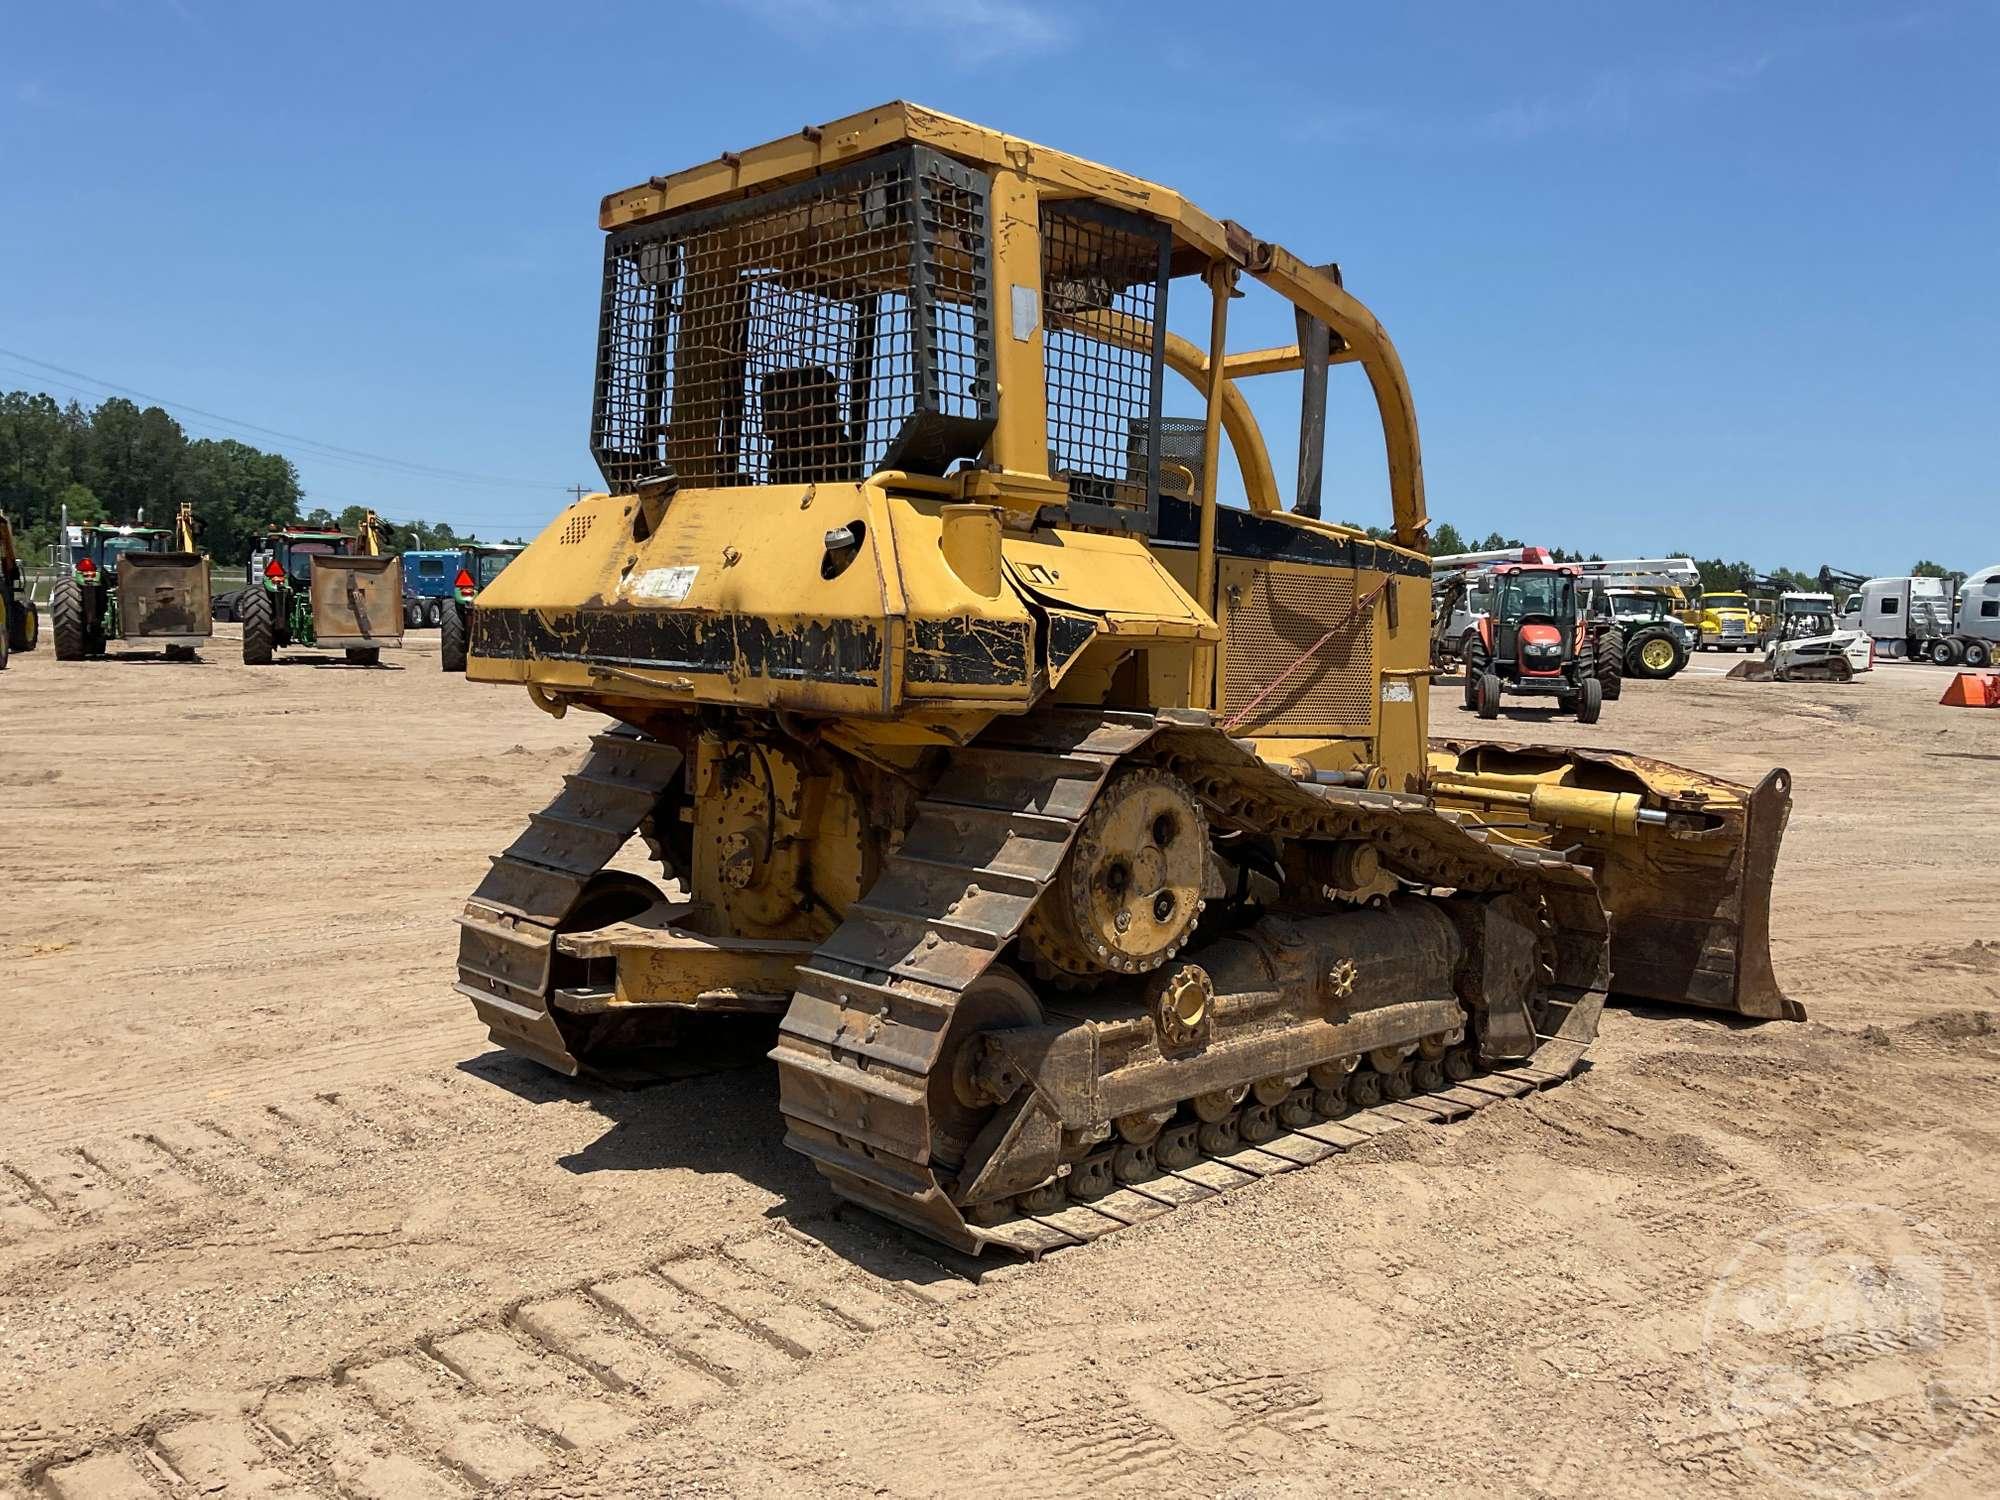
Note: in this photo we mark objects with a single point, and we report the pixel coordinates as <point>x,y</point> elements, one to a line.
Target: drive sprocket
<point>1129,892</point>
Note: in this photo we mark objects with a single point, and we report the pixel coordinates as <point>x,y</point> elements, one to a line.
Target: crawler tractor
<point>1076,839</point>
<point>322,588</point>
<point>138,584</point>
<point>20,626</point>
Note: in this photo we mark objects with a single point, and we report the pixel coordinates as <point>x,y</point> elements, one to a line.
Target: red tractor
<point>1535,639</point>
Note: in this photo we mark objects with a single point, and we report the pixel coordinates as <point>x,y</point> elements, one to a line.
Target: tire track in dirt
<point>615,1358</point>
<point>185,1160</point>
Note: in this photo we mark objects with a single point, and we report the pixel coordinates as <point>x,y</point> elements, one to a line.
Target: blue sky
<point>1718,276</point>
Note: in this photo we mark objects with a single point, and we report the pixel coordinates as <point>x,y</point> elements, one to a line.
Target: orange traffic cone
<point>1973,690</point>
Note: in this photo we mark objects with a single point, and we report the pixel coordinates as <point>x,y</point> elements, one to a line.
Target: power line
<point>325,450</point>
<point>313,496</point>
<point>319,500</point>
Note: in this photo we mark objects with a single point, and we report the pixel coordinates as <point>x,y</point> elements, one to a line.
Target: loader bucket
<point>357,601</point>
<point>1690,902</point>
<point>163,598</point>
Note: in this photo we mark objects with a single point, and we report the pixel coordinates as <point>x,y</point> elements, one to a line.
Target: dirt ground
<point>276,1219</point>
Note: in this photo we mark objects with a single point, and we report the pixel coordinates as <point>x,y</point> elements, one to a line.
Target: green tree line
<point>1721,577</point>
<point>116,460</point>
<point>1717,574</point>
<point>110,462</point>
<point>404,536</point>
<point>1446,540</point>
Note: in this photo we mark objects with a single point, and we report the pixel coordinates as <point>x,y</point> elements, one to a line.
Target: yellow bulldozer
<point>1081,842</point>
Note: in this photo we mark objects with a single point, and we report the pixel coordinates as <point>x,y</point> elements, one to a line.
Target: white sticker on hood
<point>1396,690</point>
<point>669,584</point>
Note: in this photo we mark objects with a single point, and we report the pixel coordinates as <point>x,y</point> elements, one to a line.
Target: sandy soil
<point>276,1219</point>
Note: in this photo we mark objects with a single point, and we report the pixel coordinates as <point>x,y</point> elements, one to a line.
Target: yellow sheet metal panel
<point>1115,577</point>
<point>961,644</point>
<point>1021,440</point>
<point>830,598</point>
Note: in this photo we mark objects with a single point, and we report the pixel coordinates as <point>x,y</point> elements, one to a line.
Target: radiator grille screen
<point>1104,294</point>
<point>811,334</point>
<point>1276,618</point>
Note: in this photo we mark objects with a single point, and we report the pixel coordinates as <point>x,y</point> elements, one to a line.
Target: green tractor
<point>479,564</point>
<point>329,589</point>
<point>140,584</point>
<point>20,626</point>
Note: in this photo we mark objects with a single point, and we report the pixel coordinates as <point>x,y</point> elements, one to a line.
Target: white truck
<point>1917,619</point>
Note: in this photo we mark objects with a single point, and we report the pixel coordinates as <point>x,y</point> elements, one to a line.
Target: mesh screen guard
<point>812,334</point>
<point>1104,290</point>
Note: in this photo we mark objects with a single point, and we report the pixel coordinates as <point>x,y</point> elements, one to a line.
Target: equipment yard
<point>276,1217</point>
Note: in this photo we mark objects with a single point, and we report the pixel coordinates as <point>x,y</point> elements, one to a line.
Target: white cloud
<point>1615,98</point>
<point>966,31</point>
<point>1612,99</point>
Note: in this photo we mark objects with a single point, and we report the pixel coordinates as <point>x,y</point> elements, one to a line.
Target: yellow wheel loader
<point>1079,842</point>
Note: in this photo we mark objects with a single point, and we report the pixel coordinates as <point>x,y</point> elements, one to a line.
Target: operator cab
<point>1630,606</point>
<point>487,563</point>
<point>96,549</point>
<point>1547,598</point>
<point>1805,616</point>
<point>293,554</point>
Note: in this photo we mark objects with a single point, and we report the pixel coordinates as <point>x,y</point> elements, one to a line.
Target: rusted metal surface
<point>875,1032</point>
<point>163,597</point>
<point>357,601</point>
<point>662,964</point>
<point>1079,1221</point>
<point>507,960</point>
<point>1689,902</point>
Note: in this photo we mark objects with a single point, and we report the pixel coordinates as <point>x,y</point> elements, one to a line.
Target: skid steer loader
<point>138,584</point>
<point>326,589</point>
<point>1076,840</point>
<point>1805,646</point>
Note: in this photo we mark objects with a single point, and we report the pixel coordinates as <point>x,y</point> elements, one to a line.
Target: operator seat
<point>809,442</point>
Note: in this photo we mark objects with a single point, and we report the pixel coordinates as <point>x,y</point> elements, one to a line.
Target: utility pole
<point>579,491</point>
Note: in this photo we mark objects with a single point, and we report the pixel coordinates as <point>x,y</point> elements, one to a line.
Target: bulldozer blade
<point>357,601</point>
<point>163,598</point>
<point>1694,928</point>
<point>1689,903</point>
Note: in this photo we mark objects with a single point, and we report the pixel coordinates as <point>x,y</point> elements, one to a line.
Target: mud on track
<point>274,1219</point>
